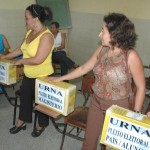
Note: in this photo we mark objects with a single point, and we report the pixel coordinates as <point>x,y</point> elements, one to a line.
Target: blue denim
<point>0,89</point>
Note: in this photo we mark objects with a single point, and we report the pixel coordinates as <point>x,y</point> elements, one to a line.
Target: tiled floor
<point>49,140</point>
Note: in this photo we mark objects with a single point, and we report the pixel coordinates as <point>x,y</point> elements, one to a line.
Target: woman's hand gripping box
<point>126,130</point>
<point>57,96</point>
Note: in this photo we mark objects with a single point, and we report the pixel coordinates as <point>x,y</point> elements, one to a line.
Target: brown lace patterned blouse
<point>111,76</point>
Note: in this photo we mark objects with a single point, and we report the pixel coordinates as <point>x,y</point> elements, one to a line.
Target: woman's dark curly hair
<point>43,13</point>
<point>122,31</point>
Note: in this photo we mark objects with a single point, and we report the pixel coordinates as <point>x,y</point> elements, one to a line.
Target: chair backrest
<point>78,117</point>
<point>87,82</point>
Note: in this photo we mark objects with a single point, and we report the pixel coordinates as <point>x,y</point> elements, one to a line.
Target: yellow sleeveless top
<point>29,51</point>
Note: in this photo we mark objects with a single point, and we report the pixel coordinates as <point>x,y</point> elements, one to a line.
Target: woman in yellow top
<point>37,51</point>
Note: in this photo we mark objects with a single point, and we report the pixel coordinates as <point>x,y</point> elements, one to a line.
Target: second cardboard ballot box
<point>126,130</point>
<point>9,73</point>
<point>57,96</point>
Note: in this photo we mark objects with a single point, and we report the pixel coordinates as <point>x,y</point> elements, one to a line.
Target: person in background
<point>4,45</point>
<point>114,63</point>
<point>59,53</point>
<point>4,49</point>
<point>37,51</point>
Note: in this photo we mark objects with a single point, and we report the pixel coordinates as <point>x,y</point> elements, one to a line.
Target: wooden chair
<point>56,66</point>
<point>87,82</point>
<point>77,119</point>
<point>60,127</point>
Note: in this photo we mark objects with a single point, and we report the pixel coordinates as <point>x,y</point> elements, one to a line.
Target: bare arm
<point>85,68</point>
<point>137,71</point>
<point>6,44</point>
<point>45,46</point>
<point>12,55</point>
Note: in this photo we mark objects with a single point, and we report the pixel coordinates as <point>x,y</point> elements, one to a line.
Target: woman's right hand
<point>54,79</point>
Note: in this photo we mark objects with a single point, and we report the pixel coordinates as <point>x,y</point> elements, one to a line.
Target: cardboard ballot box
<point>58,96</point>
<point>10,73</point>
<point>126,130</point>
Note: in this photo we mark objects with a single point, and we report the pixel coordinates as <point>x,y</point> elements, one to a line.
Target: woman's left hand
<point>148,115</point>
<point>54,79</point>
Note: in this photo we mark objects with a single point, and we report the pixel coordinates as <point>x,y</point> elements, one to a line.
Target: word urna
<point>129,126</point>
<point>50,89</point>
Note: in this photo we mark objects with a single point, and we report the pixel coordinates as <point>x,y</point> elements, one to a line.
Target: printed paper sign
<point>51,97</point>
<point>3,70</point>
<point>126,135</point>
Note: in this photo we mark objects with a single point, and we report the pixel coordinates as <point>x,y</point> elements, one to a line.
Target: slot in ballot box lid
<point>125,130</point>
